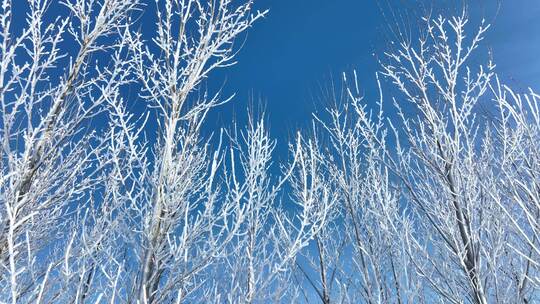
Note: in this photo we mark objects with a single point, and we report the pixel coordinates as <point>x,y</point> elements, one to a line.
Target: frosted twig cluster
<point>429,194</point>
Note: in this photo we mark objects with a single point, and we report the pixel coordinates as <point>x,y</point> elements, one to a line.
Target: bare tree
<point>259,266</point>
<point>179,227</point>
<point>48,94</point>
<point>515,146</point>
<point>446,161</point>
<point>360,256</point>
<point>435,201</point>
<point>424,190</point>
<point>439,199</point>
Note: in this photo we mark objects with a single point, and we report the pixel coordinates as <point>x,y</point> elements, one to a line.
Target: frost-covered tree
<point>439,196</point>
<point>191,214</point>
<point>359,256</point>
<point>515,144</point>
<point>427,198</point>
<point>258,266</point>
<point>167,202</point>
<point>50,89</point>
<point>445,162</point>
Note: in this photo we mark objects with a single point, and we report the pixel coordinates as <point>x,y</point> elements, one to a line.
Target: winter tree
<point>437,198</point>
<point>430,193</point>
<point>49,154</point>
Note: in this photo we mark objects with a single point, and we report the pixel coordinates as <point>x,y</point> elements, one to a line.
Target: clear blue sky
<point>290,54</point>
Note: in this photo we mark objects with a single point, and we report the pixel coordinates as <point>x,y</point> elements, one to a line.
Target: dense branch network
<point>426,198</point>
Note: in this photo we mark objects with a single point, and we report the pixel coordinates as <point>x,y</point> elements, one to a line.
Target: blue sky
<point>301,44</point>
